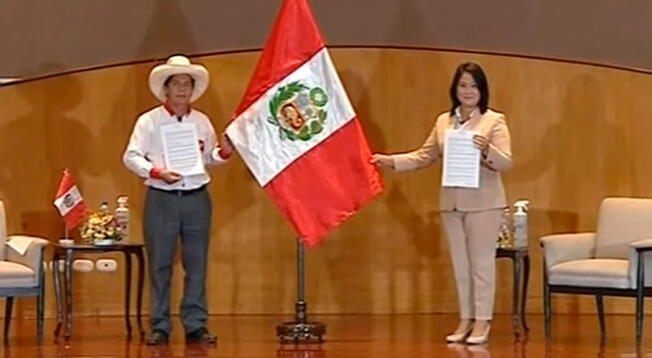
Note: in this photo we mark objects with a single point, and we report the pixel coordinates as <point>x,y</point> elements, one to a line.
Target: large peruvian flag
<point>69,202</point>
<point>297,132</point>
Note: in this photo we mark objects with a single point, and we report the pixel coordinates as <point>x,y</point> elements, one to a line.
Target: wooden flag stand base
<point>300,330</point>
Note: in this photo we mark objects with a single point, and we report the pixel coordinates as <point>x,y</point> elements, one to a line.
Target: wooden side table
<point>521,262</point>
<point>68,252</point>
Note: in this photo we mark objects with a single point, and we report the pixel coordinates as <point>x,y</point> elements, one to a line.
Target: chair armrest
<point>34,255</point>
<point>560,248</point>
<point>642,245</point>
<point>640,249</point>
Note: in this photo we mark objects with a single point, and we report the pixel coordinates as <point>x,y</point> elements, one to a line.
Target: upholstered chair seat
<point>21,271</point>
<point>615,260</point>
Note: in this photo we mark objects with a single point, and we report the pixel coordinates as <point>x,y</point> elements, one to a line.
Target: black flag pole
<point>301,330</point>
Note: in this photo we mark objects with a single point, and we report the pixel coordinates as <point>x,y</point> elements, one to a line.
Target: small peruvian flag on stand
<point>69,201</point>
<point>298,133</point>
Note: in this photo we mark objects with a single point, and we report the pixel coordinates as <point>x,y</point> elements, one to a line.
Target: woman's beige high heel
<point>480,339</point>
<point>461,336</point>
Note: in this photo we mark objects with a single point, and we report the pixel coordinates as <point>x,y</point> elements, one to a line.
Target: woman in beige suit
<point>471,217</point>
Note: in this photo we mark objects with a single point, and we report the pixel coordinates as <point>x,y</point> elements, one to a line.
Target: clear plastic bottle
<point>121,216</point>
<point>520,223</point>
<point>505,233</point>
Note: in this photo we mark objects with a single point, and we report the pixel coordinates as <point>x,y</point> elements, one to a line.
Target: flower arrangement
<point>100,227</point>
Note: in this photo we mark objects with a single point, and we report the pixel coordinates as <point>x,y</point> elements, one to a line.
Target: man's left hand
<point>226,146</point>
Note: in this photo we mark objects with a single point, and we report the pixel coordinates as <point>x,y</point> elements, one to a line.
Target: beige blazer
<point>491,193</point>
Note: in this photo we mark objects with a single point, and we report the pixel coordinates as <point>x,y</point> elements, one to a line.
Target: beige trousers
<point>472,237</point>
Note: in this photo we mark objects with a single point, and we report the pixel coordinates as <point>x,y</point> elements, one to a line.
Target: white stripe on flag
<point>260,143</point>
<point>68,200</point>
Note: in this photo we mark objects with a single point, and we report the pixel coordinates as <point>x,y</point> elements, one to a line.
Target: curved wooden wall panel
<point>579,133</point>
<point>83,33</point>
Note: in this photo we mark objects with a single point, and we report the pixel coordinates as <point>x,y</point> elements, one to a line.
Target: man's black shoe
<point>201,336</point>
<point>157,337</point>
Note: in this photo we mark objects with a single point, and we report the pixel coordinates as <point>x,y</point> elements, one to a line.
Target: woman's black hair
<point>480,80</point>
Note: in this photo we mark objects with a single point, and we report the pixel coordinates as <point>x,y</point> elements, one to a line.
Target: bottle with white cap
<point>520,223</point>
<point>121,216</point>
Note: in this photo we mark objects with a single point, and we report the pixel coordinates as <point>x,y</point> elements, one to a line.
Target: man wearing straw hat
<point>176,206</point>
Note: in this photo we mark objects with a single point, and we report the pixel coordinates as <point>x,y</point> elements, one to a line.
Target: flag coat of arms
<point>297,132</point>
<point>69,201</point>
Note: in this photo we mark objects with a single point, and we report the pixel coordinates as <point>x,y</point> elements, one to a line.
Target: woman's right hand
<point>382,160</point>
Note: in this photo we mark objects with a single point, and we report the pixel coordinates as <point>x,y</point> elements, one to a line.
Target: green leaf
<point>322,115</point>
<point>290,134</point>
<point>296,86</point>
<point>272,107</point>
<point>305,133</point>
<point>316,127</point>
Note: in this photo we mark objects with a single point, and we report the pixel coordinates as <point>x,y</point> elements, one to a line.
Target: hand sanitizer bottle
<point>520,223</point>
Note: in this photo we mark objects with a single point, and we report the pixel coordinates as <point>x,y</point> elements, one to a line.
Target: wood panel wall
<point>579,133</point>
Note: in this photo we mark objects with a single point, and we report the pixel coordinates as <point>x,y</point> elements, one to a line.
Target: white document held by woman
<point>461,160</point>
<point>181,149</point>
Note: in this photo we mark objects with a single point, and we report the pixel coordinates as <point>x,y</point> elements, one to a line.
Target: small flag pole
<point>301,330</point>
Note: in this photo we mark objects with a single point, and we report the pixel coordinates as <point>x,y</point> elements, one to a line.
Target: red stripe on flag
<point>328,184</point>
<point>294,39</point>
<point>65,184</point>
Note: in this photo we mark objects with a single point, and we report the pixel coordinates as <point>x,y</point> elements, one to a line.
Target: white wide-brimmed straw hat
<point>177,65</point>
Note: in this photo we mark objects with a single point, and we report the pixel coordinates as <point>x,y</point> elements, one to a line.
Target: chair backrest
<point>620,222</point>
<point>3,230</point>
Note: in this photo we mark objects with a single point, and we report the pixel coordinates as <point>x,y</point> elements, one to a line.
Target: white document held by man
<point>181,149</point>
<point>461,160</point>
